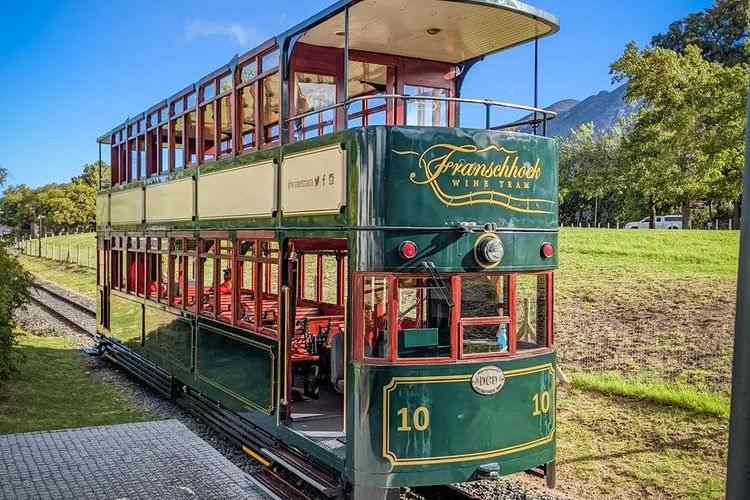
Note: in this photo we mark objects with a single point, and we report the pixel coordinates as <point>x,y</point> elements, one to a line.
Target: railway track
<point>284,475</point>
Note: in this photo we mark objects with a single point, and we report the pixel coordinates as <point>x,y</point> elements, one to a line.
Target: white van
<point>662,222</point>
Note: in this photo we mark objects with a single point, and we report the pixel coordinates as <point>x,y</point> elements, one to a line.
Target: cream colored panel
<point>466,30</point>
<point>314,181</point>
<point>248,191</point>
<point>172,201</point>
<point>102,209</point>
<point>127,206</point>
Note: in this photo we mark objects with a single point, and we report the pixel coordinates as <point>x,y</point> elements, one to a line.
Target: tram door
<point>314,339</point>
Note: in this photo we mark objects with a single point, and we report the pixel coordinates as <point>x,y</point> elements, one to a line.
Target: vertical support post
<point>536,80</point>
<point>738,466</point>
<point>345,93</point>
<point>100,163</point>
<point>487,116</point>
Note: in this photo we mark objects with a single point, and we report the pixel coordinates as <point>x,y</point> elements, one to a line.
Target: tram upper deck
<point>353,118</point>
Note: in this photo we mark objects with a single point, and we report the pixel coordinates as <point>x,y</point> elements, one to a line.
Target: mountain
<point>603,109</point>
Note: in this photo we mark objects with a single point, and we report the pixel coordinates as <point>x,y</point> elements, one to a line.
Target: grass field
<point>55,390</point>
<point>644,327</point>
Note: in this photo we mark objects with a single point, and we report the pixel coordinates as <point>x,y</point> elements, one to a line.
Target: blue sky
<point>70,71</point>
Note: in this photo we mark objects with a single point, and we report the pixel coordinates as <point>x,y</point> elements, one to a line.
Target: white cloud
<point>245,37</point>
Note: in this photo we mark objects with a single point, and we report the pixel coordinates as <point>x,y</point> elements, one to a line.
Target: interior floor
<point>321,420</point>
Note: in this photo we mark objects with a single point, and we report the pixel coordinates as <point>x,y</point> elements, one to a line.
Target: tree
<point>14,292</point>
<point>683,128</point>
<point>3,176</point>
<point>721,32</point>
<point>588,160</point>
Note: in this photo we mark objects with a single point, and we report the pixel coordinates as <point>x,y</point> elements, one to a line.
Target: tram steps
<point>308,472</point>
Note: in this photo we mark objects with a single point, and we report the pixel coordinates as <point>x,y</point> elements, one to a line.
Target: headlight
<point>490,251</point>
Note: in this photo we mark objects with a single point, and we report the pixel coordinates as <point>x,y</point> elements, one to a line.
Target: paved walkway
<point>154,460</point>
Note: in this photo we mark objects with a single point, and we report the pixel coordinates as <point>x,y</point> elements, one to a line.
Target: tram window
<point>191,150</point>
<point>225,84</point>
<point>367,79</point>
<point>426,113</point>
<point>209,131</point>
<point>271,87</point>
<point>141,141</point>
<point>485,322</point>
<point>132,147</point>
<point>375,316</point>
<point>191,276</point>
<point>531,311</point>
<point>313,92</point>
<point>269,61</point>
<point>247,118</point>
<point>152,268</point>
<point>209,91</point>
<point>190,101</point>
<point>249,72</point>
<point>225,125</point>
<point>179,146</point>
<point>310,268</point>
<point>424,319</point>
<point>163,273</point>
<point>208,263</point>
<point>151,163</point>
<point>484,296</point>
<point>164,149</point>
<point>330,279</point>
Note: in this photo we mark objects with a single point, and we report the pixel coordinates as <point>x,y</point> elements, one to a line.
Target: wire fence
<point>52,249</point>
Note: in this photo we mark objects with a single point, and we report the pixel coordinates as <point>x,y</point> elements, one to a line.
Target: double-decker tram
<point>312,237</point>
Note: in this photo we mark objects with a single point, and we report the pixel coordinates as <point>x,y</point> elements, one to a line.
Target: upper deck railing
<point>488,104</point>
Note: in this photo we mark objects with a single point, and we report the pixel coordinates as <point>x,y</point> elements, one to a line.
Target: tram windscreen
<point>423,318</point>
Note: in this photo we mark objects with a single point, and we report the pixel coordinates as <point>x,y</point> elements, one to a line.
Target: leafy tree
<point>721,32</point>
<point>3,175</point>
<point>681,147</point>
<point>14,292</point>
<point>588,161</point>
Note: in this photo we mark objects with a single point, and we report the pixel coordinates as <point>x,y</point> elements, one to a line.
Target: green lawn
<point>55,390</point>
<point>75,278</point>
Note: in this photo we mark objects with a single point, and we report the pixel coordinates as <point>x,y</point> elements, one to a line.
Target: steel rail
<point>83,308</point>
<point>52,311</point>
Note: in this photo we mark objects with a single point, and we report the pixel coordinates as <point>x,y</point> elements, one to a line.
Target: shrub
<point>14,292</point>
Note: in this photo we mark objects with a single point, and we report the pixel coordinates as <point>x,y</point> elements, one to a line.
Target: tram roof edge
<point>496,25</point>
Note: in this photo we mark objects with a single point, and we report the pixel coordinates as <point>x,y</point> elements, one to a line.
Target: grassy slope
<point>54,391</point>
<point>76,278</point>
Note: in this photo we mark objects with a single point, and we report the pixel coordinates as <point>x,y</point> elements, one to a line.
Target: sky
<point>71,71</point>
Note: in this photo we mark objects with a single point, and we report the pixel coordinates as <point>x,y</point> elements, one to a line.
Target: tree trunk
<point>686,223</point>
<point>652,213</point>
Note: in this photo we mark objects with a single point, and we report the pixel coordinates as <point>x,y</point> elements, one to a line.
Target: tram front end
<point>452,306</point>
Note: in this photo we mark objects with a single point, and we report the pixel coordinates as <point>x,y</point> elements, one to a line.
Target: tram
<point>312,237</point>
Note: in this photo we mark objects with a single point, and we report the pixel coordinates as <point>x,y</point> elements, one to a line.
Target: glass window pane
<point>269,61</point>
<point>163,115</point>
<point>191,101</point>
<point>191,149</point>
<point>248,72</point>
<point>531,311</point>
<point>426,113</point>
<point>209,91</point>
<point>177,107</point>
<point>271,87</point>
<point>366,78</point>
<point>423,318</point>
<point>164,148</point>
<point>375,306</point>
<point>225,125</point>
<point>247,118</point>
<point>225,84</point>
<point>179,146</point>
<point>209,147</point>
<point>484,296</point>
<point>314,92</point>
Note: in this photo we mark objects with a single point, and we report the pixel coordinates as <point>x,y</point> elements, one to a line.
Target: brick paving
<point>150,460</point>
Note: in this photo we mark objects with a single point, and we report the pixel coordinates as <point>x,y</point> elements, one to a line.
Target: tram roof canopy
<point>452,31</point>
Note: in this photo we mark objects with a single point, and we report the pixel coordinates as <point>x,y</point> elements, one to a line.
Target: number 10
<point>421,419</point>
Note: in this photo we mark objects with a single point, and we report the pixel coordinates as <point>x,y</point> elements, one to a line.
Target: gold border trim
<point>481,455</point>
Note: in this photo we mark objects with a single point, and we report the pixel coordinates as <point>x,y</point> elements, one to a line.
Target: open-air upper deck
<point>357,65</point>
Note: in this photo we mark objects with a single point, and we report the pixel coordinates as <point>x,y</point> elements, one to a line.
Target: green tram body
<point>408,420</point>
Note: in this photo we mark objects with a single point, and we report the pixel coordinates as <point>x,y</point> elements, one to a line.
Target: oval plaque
<point>488,380</point>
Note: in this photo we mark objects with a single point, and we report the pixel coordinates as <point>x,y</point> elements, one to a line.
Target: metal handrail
<point>487,103</point>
